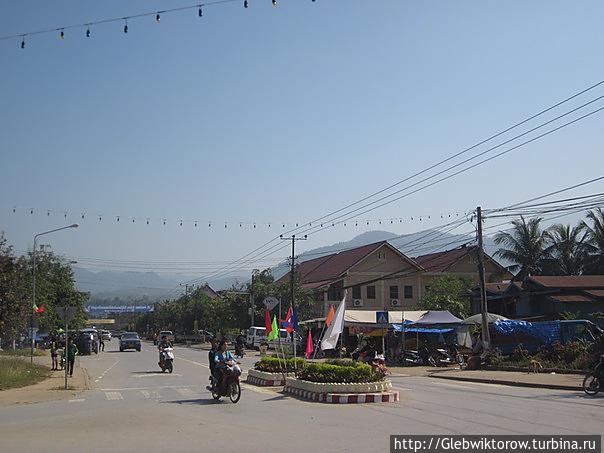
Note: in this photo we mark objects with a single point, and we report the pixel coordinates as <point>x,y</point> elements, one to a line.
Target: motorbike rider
<point>164,343</point>
<point>221,359</point>
<point>212,357</point>
<point>240,344</point>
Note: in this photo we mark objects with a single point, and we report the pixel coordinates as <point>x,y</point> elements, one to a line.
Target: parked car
<point>130,340</point>
<point>106,335</point>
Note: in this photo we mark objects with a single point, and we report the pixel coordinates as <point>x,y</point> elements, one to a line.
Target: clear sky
<point>278,115</point>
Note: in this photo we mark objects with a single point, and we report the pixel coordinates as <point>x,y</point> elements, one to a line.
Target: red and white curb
<point>344,398</point>
<point>264,382</point>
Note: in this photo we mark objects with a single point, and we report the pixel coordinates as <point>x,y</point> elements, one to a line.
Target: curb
<point>510,383</point>
<point>344,398</point>
<point>264,382</point>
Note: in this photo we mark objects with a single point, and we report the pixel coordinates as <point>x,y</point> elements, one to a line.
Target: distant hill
<point>117,287</point>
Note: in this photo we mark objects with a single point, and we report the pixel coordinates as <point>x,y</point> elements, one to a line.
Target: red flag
<point>309,346</point>
<point>288,321</point>
<point>41,309</point>
<point>268,325</point>
<point>330,316</point>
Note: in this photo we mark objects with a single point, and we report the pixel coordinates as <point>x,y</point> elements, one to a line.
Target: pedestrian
<point>54,355</point>
<point>102,343</point>
<point>72,351</point>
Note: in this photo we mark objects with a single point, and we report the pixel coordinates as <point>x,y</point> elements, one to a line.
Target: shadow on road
<point>119,352</point>
<point>200,401</point>
<point>148,372</point>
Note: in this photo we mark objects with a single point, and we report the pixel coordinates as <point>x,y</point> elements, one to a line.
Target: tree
<point>595,242</point>
<point>450,293</point>
<point>567,249</point>
<point>525,246</point>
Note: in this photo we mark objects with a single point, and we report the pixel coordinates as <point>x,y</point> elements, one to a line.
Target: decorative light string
<point>124,19</point>
<point>182,222</point>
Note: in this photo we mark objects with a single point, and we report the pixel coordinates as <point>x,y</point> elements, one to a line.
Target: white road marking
<point>108,369</point>
<point>158,374</point>
<point>112,396</point>
<point>146,394</point>
<point>77,400</point>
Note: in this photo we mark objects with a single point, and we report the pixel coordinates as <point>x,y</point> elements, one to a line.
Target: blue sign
<point>381,317</point>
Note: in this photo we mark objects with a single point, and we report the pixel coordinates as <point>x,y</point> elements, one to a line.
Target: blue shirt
<point>223,357</point>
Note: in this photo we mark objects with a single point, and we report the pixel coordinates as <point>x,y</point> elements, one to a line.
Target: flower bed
<point>331,387</point>
<point>273,364</point>
<point>339,372</point>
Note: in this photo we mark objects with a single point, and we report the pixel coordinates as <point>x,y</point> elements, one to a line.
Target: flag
<point>41,309</point>
<point>274,333</point>
<point>309,346</point>
<point>295,319</point>
<point>330,316</point>
<point>287,323</point>
<point>35,308</point>
<point>332,334</point>
<point>267,321</point>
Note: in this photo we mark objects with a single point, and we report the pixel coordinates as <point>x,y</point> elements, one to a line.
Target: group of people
<point>57,355</point>
<point>219,359</point>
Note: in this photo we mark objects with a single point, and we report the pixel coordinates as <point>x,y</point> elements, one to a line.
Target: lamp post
<point>75,225</point>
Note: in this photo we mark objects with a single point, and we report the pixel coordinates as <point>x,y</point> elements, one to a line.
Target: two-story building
<point>378,276</point>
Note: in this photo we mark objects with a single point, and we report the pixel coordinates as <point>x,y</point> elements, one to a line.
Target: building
<point>378,276</point>
<point>545,297</point>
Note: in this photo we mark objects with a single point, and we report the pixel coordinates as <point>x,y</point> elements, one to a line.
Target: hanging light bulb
<point>245,4</point>
<point>23,43</point>
<point>88,32</point>
<point>125,25</point>
<point>157,17</point>
<point>62,34</point>
<point>200,12</point>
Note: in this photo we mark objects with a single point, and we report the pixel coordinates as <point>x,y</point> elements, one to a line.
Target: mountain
<point>115,286</point>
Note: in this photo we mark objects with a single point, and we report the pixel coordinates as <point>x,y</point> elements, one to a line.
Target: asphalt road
<point>134,407</point>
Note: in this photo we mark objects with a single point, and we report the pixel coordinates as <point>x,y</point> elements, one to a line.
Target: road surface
<point>135,408</point>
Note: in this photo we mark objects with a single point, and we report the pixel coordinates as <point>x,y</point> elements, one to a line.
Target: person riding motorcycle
<point>222,359</point>
<point>240,345</point>
<point>164,343</point>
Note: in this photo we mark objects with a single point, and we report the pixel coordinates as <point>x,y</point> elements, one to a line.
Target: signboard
<point>92,322</point>
<point>381,317</point>
<point>66,312</point>
<point>270,302</point>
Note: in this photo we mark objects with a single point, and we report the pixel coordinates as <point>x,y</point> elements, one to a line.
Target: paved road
<point>135,408</point>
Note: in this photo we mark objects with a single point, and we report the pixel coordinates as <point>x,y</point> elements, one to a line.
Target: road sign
<point>270,302</point>
<point>66,312</point>
<point>381,317</point>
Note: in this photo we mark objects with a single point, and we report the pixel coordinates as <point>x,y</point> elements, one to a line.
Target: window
<point>334,293</point>
<point>408,292</point>
<point>356,292</point>
<point>371,292</point>
<point>394,292</point>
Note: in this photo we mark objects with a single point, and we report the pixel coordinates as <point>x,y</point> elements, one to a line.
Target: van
<point>257,335</point>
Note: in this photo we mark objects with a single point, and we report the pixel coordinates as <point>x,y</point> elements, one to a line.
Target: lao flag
<point>288,323</point>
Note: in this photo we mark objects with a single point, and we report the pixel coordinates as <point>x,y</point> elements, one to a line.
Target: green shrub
<point>273,364</point>
<point>350,372</point>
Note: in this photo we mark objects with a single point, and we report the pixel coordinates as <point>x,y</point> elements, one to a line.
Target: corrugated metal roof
<point>569,281</point>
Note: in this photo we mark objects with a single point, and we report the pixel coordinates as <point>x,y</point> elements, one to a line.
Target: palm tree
<point>526,246</point>
<point>567,248</point>
<point>595,241</point>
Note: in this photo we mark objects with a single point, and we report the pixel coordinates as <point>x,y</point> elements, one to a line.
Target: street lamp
<point>75,225</point>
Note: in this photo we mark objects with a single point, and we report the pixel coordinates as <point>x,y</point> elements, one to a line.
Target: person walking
<point>72,351</point>
<point>101,343</point>
<point>54,355</point>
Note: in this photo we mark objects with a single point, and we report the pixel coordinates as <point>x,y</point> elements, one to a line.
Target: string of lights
<point>124,21</point>
<point>164,221</point>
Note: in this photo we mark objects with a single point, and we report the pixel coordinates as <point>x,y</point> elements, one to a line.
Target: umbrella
<point>477,319</point>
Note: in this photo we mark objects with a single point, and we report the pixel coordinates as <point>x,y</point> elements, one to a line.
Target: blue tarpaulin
<point>543,332</point>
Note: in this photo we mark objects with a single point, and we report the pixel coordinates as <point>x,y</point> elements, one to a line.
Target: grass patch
<point>339,371</point>
<point>16,372</point>
<point>23,353</point>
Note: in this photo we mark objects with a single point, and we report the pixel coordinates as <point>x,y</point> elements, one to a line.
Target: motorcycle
<point>166,359</point>
<point>229,386</point>
<point>592,383</point>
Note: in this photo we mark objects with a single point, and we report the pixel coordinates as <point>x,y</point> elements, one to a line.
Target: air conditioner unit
<point>395,302</point>
<point>357,303</point>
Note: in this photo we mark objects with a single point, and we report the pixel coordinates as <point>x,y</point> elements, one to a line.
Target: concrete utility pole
<point>486,337</point>
<point>293,238</point>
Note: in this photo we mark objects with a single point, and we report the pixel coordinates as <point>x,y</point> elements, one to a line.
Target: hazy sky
<point>279,115</point>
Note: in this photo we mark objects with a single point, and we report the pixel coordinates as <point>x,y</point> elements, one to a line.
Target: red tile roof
<point>331,267</point>
<point>569,281</point>
<point>441,261</point>
<point>572,298</point>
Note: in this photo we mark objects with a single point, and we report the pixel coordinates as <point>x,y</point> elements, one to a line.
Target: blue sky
<point>278,115</point>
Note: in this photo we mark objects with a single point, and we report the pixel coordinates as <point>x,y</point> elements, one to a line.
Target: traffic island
<point>342,393</point>
<point>265,379</point>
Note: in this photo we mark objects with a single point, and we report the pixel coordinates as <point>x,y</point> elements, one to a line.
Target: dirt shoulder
<point>50,389</point>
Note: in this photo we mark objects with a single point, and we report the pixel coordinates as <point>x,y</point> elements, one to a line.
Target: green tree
<point>567,249</point>
<point>448,292</point>
<point>525,246</point>
<point>595,242</point>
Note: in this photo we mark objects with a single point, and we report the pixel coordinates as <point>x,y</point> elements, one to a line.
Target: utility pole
<point>252,299</point>
<point>486,337</point>
<point>293,238</point>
